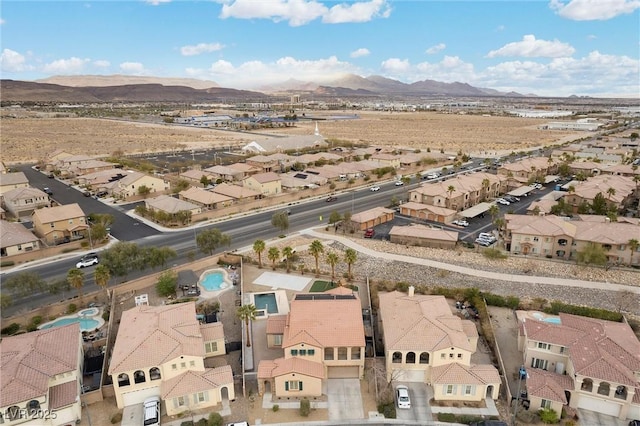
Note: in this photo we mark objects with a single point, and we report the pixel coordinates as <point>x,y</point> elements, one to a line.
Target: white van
<point>151,414</point>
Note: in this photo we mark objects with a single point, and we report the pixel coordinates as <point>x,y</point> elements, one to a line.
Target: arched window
<point>139,377</point>
<point>33,406</point>
<point>587,385</point>
<point>411,358</point>
<point>123,379</point>
<point>424,358</point>
<point>604,388</point>
<point>621,392</point>
<point>396,358</point>
<point>154,373</point>
<point>13,413</point>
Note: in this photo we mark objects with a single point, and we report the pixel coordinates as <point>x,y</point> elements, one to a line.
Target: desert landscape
<point>29,138</point>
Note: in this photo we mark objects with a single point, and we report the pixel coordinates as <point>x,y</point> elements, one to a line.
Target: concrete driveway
<point>592,418</point>
<point>344,398</point>
<point>420,411</point>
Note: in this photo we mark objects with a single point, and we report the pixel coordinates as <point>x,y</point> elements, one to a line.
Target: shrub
<point>71,308</point>
<point>494,254</point>
<point>305,407</point>
<point>7,263</point>
<point>116,418</point>
<point>275,408</point>
<point>37,320</point>
<point>548,416</point>
<point>447,417</point>
<point>105,316</point>
<point>215,419</point>
<point>387,409</point>
<point>11,329</point>
<point>585,311</point>
<point>202,422</point>
<point>186,422</point>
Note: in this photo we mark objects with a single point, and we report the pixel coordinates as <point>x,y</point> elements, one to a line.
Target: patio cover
<point>519,192</point>
<point>476,210</point>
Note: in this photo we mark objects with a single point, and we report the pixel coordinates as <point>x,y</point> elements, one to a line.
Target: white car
<point>151,411</point>
<point>399,183</point>
<point>433,176</point>
<point>375,188</point>
<point>402,397</point>
<point>86,261</point>
<point>502,201</point>
<point>460,223</point>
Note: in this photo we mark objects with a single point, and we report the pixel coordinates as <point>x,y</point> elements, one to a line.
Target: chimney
<point>412,290</point>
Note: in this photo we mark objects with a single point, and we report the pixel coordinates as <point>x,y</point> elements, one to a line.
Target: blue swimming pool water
<point>266,301</point>
<point>212,281</point>
<point>86,324</point>
<point>552,320</point>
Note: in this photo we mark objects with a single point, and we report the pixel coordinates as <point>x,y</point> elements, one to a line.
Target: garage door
<point>344,372</point>
<point>599,406</point>
<point>138,397</point>
<point>409,375</point>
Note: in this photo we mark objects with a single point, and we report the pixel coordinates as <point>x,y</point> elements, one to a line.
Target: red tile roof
<point>276,324</point>
<point>63,395</point>
<point>278,367</point>
<point>548,385</point>
<point>196,381</point>
<point>459,374</point>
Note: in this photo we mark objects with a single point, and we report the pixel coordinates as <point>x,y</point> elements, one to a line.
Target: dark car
<point>47,191</point>
<point>331,198</point>
<point>634,423</point>
<point>86,193</point>
<point>369,233</point>
<point>102,194</point>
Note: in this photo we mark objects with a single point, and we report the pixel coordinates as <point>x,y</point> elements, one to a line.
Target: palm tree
<point>273,254</point>
<point>332,260</point>
<point>247,313</point>
<point>633,246</point>
<point>450,190</point>
<point>499,223</point>
<point>350,256</point>
<point>494,211</point>
<point>102,277</point>
<point>258,247</point>
<point>75,278</point>
<point>485,187</point>
<point>287,252</point>
<point>316,248</point>
<point>611,191</point>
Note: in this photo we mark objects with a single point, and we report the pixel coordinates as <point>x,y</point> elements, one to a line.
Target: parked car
<point>151,413</point>
<point>634,423</point>
<point>502,201</point>
<point>238,424</point>
<point>486,236</point>
<point>402,397</point>
<point>433,176</point>
<point>511,198</point>
<point>331,198</point>
<point>86,193</point>
<point>47,190</point>
<point>369,233</point>
<point>483,243</point>
<point>86,261</point>
<point>399,183</point>
<point>460,222</point>
<point>375,188</point>
<point>101,194</point>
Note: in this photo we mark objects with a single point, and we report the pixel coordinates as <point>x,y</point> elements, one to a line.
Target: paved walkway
<point>489,410</point>
<point>524,279</point>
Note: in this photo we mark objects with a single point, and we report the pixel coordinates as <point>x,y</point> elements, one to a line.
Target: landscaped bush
<point>447,417</point>
<point>585,311</point>
<point>7,263</point>
<point>275,408</point>
<point>305,407</point>
<point>215,419</point>
<point>116,418</point>
<point>11,329</point>
<point>105,316</point>
<point>497,300</point>
<point>37,320</point>
<point>494,254</point>
<point>388,409</point>
<point>202,422</point>
<point>71,308</point>
<point>548,416</point>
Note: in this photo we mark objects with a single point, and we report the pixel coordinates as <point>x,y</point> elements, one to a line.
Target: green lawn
<point>320,286</point>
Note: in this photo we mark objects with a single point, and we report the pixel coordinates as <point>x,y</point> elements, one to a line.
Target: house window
<point>52,225</point>
<point>355,352</point>
<point>449,389</point>
<point>542,345</point>
<point>311,352</point>
<point>201,397</point>
<point>539,363</point>
<point>303,352</point>
<point>603,389</point>
<point>563,349</point>
<point>183,365</point>
<point>459,356</point>
<point>70,221</point>
<point>174,367</point>
<point>468,390</point>
<point>210,347</point>
<point>342,353</point>
<point>545,403</point>
<point>154,373</point>
<point>277,339</point>
<point>293,385</point>
<point>192,363</point>
<point>294,352</point>
<point>123,379</point>
<point>443,356</point>
<point>328,354</point>
<point>424,358</point>
<point>179,401</point>
<point>396,358</point>
<point>587,385</point>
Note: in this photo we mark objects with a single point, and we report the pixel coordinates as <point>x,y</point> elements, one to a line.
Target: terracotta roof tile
<point>212,331</point>
<point>58,213</point>
<point>276,324</point>
<point>458,374</point>
<point>196,381</point>
<point>63,395</point>
<point>281,366</point>
<point>548,385</point>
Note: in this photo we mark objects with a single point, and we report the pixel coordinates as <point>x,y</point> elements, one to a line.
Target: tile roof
<point>212,331</point>
<point>24,192</point>
<point>459,374</point>
<point>196,381</point>
<point>624,186</point>
<point>422,231</point>
<point>203,196</point>
<point>59,213</point>
<point>227,170</point>
<point>325,323</point>
<point>370,214</point>
<point>462,184</point>
<point>421,322</point>
<point>63,395</point>
<point>13,233</point>
<point>276,324</point>
<point>278,367</point>
<point>548,385</point>
<point>28,361</point>
<point>151,335</point>
<point>235,191</point>
<point>170,204</point>
<point>265,177</point>
<point>243,167</point>
<point>411,205</point>
<point>548,225</point>
<point>14,178</point>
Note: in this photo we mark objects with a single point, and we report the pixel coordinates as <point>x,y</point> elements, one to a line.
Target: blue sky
<point>546,47</point>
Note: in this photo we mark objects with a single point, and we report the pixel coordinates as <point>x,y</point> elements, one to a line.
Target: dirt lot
<point>30,138</point>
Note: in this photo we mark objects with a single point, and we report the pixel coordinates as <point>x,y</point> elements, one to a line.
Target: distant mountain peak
<point>122,80</point>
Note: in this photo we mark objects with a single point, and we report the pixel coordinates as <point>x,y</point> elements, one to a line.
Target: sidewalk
<point>524,279</point>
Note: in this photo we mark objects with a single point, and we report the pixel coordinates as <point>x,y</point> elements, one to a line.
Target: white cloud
<point>592,37</point>
<point>395,66</point>
<point>2,21</point>
<point>134,68</point>
<point>101,64</point>
<point>592,10</point>
<point>66,66</point>
<point>435,49</point>
<point>12,61</point>
<point>357,12</point>
<point>359,53</point>
<point>500,28</point>
<point>200,48</point>
<point>449,69</point>
<point>301,12</point>
<point>529,47</point>
<point>157,2</point>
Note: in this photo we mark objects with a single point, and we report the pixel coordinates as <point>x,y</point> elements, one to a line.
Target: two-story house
<point>41,374</point>
<point>322,337</point>
<point>9,181</point>
<point>21,202</point>
<point>425,342</point>
<point>582,362</point>
<point>130,185</point>
<point>160,351</point>
<point>60,223</point>
<point>16,239</point>
<point>265,183</point>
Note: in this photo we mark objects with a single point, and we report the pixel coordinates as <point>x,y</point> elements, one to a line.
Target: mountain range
<point>124,88</point>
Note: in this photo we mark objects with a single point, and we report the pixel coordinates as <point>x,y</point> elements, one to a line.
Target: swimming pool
<point>214,280</point>
<point>266,301</point>
<point>88,319</point>
<point>542,317</point>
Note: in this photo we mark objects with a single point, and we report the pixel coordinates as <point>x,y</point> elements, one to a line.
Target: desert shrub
<point>447,417</point>
<point>186,422</point>
<point>37,320</point>
<point>116,418</point>
<point>11,329</point>
<point>7,263</point>
<point>71,308</point>
<point>275,408</point>
<point>497,300</point>
<point>215,419</point>
<point>585,311</point>
<point>305,407</point>
<point>494,254</point>
<point>202,422</point>
<point>548,416</point>
<point>105,316</point>
<point>388,409</point>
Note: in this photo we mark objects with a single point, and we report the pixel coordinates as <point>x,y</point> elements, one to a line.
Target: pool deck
<point>206,294</point>
<point>97,317</point>
<point>535,315</point>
